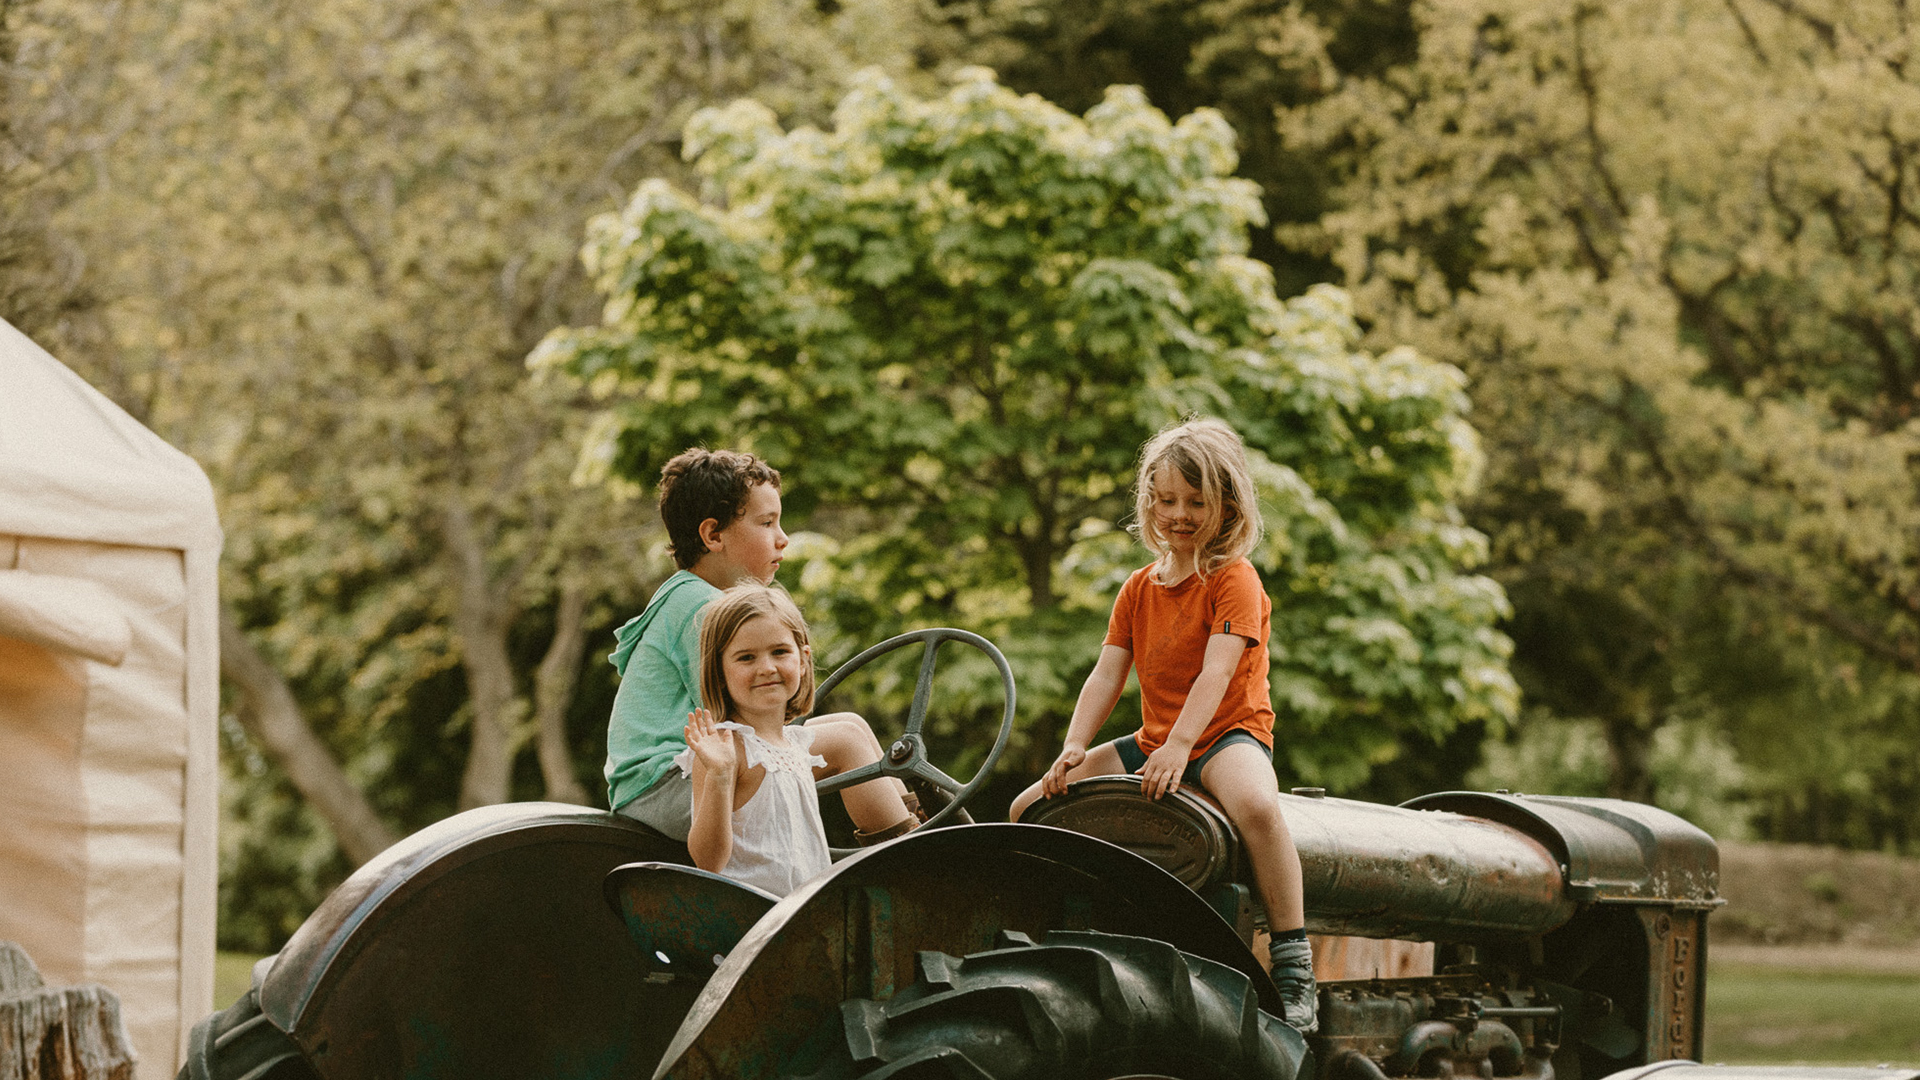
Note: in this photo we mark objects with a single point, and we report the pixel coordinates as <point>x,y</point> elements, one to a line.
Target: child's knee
<point>1259,817</point>
<point>848,725</point>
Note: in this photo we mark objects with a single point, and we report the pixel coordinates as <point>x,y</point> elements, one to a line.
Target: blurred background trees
<point>951,323</point>
<point>1669,242</point>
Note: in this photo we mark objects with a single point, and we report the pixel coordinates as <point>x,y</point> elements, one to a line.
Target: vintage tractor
<point>1107,935</point>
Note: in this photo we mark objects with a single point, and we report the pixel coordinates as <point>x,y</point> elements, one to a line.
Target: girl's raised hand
<point>714,748</point>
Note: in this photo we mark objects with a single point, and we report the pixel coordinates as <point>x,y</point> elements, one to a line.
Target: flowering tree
<point>951,323</point>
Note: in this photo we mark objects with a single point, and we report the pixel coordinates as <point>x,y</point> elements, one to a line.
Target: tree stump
<point>73,1033</point>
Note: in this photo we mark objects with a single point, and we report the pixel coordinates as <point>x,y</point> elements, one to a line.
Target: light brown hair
<point>723,618</point>
<point>1210,456</point>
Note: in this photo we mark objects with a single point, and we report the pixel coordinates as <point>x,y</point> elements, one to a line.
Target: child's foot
<point>1293,974</point>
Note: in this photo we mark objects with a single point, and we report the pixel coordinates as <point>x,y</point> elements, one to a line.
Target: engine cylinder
<point>1370,870</point>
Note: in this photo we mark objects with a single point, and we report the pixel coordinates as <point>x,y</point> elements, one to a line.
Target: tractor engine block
<point>1441,1027</point>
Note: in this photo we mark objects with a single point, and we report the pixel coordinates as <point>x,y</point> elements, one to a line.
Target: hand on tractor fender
<point>713,747</point>
<point>1055,782</point>
<point>1161,774</point>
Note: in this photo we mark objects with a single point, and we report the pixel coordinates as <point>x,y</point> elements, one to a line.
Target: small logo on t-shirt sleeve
<point>1228,627</point>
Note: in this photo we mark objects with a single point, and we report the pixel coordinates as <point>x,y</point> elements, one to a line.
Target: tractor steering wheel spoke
<point>838,781</point>
<point>922,688</point>
<point>929,772</point>
<point>906,756</point>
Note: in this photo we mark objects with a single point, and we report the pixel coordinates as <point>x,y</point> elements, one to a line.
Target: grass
<point>1765,1015</point>
<point>232,974</point>
<point>1756,1015</point>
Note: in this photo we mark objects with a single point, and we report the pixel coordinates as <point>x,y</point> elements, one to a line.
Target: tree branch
<point>553,686</point>
<point>269,713</point>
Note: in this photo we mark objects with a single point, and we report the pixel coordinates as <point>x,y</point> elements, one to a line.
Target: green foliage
<point>1694,346</point>
<point>1696,772</point>
<point>952,322</point>
<point>277,858</point>
<point>1242,57</point>
<point>319,241</point>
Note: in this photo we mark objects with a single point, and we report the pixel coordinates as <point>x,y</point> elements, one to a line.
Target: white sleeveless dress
<point>779,841</point>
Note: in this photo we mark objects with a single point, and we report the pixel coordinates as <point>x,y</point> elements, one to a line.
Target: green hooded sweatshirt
<point>658,658</point>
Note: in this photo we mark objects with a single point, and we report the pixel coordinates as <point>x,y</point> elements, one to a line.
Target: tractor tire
<point>240,1043</point>
<point>1081,1006</point>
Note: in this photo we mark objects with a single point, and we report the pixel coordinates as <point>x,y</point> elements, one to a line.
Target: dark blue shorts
<point>1134,759</point>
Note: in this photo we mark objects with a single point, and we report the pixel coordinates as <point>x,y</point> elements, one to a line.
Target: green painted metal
<point>479,948</point>
<point>1606,849</point>
<point>681,920</point>
<point>906,757</point>
<point>855,933</point>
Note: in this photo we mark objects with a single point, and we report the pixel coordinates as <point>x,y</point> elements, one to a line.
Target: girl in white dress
<point>755,816</point>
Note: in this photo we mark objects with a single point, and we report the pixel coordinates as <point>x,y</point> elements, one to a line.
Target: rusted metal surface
<point>1368,870</point>
<point>683,920</point>
<point>1186,834</point>
<point>855,933</point>
<point>1608,849</point>
<point>1458,866</point>
<point>1676,941</point>
<point>1382,871</point>
<point>480,947</point>
<point>1453,1025</point>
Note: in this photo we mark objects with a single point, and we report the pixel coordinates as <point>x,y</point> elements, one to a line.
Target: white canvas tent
<point>109,697</point>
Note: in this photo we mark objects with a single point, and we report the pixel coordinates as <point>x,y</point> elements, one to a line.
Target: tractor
<point>1105,935</point>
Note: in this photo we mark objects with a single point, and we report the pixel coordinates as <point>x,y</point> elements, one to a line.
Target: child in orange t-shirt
<point>1194,624</point>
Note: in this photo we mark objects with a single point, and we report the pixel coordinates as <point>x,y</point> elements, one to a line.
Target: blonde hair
<point>1210,456</point>
<point>723,618</point>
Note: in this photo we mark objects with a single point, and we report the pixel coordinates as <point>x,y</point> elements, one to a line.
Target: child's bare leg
<point>848,742</point>
<point>1241,778</point>
<point>1102,760</point>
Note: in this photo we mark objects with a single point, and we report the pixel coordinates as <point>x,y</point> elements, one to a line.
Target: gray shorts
<point>1134,759</point>
<point>667,806</point>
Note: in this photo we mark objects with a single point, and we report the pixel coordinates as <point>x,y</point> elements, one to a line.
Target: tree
<point>1672,241</point>
<point>401,194</point>
<point>952,322</point>
<point>1242,57</point>
<point>323,239</point>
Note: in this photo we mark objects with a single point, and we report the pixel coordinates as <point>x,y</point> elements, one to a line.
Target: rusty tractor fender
<point>855,932</point>
<point>476,947</point>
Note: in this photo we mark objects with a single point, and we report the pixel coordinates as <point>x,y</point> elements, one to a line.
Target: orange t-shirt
<point>1166,629</point>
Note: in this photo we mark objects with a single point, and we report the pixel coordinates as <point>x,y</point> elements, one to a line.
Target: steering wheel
<point>906,759</point>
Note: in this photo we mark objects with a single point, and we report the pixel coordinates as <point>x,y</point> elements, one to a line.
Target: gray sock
<point>1293,974</point>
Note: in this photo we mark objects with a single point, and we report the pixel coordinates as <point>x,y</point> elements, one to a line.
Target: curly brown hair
<point>698,484</point>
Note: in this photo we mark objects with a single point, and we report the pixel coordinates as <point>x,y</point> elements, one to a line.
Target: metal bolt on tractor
<point>1105,936</point>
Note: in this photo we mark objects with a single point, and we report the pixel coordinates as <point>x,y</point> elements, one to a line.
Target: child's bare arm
<point>716,771</point>
<point>1164,767</point>
<point>1098,695</point>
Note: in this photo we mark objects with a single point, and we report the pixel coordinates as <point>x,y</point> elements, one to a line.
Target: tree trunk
<point>1629,759</point>
<point>72,1033</point>
<point>270,714</point>
<point>1036,557</point>
<point>553,687</point>
<point>480,617</point>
